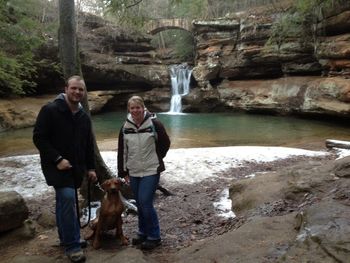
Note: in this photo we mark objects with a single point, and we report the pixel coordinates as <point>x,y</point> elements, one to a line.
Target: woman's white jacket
<point>141,149</point>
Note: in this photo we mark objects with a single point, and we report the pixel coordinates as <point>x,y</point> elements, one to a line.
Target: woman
<point>142,145</point>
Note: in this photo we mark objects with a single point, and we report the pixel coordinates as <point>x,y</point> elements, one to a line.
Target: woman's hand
<point>127,179</point>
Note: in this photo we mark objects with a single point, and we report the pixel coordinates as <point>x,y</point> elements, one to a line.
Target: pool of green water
<point>206,130</point>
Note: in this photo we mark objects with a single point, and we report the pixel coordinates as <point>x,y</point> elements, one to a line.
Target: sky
<point>183,166</point>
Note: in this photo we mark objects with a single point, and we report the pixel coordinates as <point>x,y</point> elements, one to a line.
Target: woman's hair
<point>137,100</point>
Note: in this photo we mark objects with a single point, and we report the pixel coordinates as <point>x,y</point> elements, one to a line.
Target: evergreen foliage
<point>299,22</point>
<point>308,7</point>
<point>184,46</point>
<point>195,9</point>
<point>180,41</point>
<point>288,25</point>
<point>21,31</point>
<point>126,14</point>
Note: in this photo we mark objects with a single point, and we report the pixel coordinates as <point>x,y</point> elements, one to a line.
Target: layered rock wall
<point>249,67</point>
<point>113,59</point>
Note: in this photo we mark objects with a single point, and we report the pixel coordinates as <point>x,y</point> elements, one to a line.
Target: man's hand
<point>92,176</point>
<point>64,164</point>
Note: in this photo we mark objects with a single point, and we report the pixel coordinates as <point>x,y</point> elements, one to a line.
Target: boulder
<point>98,99</point>
<point>336,24</point>
<point>261,239</point>
<point>325,234</point>
<point>13,210</point>
<point>307,202</point>
<point>19,113</point>
<point>342,167</point>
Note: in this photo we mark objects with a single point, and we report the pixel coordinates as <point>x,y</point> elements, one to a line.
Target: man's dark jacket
<point>58,133</point>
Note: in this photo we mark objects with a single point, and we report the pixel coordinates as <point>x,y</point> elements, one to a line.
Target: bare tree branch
<point>135,3</point>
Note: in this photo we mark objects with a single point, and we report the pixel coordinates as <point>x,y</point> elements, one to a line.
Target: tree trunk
<point>70,62</point>
<point>67,40</point>
<point>337,144</point>
<point>161,42</point>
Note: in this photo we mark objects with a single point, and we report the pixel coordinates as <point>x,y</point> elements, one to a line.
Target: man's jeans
<point>144,189</point>
<point>66,219</point>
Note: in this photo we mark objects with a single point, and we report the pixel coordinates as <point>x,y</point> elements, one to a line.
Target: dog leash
<point>127,203</point>
<point>89,205</point>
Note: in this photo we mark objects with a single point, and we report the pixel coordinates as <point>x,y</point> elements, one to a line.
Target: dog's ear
<point>119,184</point>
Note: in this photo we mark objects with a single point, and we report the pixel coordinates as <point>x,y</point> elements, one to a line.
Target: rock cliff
<point>112,58</point>
<point>242,64</point>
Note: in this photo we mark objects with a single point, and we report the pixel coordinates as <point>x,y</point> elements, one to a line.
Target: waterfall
<point>180,85</point>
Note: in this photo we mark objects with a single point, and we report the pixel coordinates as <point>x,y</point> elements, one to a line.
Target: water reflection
<point>230,129</point>
<point>174,125</point>
<point>205,130</point>
<point>16,142</point>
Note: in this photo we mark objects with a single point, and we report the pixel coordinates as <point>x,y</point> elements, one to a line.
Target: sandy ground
<point>186,216</point>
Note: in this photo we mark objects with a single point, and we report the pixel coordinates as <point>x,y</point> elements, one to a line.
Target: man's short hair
<point>76,77</point>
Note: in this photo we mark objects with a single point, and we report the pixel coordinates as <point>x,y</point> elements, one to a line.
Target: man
<point>63,136</point>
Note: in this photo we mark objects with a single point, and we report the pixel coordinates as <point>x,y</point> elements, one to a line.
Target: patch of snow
<point>189,166</point>
<point>184,166</point>
<point>255,174</point>
<point>224,205</point>
<point>342,152</point>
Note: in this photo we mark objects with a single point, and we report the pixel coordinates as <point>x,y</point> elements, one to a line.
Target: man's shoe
<point>83,244</point>
<point>151,244</point>
<point>138,240</point>
<point>77,256</point>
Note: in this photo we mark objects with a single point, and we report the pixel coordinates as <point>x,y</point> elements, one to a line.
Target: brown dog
<point>110,213</point>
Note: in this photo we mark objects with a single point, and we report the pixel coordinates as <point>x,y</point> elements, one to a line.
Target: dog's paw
<point>89,236</point>
<point>96,244</point>
<point>124,240</point>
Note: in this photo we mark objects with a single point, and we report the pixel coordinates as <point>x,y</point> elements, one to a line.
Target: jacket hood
<point>62,98</point>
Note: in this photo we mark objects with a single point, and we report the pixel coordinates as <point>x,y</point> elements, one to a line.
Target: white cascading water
<point>180,85</point>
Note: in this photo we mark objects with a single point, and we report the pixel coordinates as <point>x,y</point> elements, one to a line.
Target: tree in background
<point>71,66</point>
<point>300,21</point>
<point>127,13</point>
<point>25,26</point>
<point>21,35</point>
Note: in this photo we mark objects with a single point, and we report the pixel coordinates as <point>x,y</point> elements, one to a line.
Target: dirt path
<point>186,216</point>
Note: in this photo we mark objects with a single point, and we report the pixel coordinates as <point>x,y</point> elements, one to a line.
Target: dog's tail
<point>130,207</point>
<point>164,190</point>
